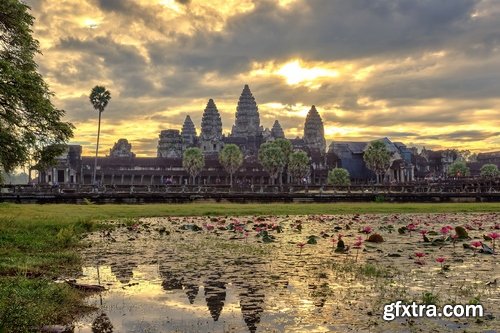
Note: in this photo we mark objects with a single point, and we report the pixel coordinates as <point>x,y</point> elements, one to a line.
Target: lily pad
<point>312,239</point>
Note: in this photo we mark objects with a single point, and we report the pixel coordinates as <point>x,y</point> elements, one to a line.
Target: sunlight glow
<point>286,3</point>
<point>295,73</point>
<point>171,4</point>
<point>91,23</point>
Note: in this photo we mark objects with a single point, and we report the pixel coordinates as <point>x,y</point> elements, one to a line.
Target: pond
<point>289,273</point>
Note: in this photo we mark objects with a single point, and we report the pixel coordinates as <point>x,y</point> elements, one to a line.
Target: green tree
<point>231,159</point>
<point>489,171</point>
<point>272,159</point>
<point>287,148</point>
<point>99,97</point>
<point>298,165</point>
<point>193,162</point>
<point>458,169</point>
<point>339,177</point>
<point>29,122</point>
<point>377,158</point>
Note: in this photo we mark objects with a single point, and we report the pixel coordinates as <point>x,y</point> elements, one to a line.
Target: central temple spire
<point>247,121</point>
<point>314,132</point>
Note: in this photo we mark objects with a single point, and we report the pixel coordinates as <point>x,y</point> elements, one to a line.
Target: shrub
<point>66,236</point>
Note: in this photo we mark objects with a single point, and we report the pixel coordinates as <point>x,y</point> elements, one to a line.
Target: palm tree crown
<point>99,97</point>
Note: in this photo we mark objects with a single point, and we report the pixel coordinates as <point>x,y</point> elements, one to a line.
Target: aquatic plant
<point>493,236</point>
<point>301,246</point>
<point>420,256</point>
<point>358,245</point>
<point>411,227</point>
<point>441,260</point>
<point>445,230</point>
<point>476,244</point>
<point>312,239</point>
<point>429,298</point>
<point>424,232</point>
<point>461,232</point>
<point>367,230</point>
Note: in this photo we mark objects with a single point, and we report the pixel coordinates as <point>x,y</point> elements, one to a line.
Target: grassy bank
<point>67,213</point>
<point>40,242</point>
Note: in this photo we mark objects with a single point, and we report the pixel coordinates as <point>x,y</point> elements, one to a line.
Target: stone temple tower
<point>277,131</point>
<point>211,129</point>
<point>247,122</point>
<point>170,144</point>
<point>314,133</point>
<point>188,133</point>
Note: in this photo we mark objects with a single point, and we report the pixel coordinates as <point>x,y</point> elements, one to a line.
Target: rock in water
<point>486,249</point>
<point>375,238</point>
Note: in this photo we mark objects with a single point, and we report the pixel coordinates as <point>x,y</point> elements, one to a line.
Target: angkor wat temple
<point>122,166</point>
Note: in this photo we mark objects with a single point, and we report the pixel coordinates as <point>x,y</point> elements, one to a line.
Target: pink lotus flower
<point>358,243</point>
<point>301,246</point>
<point>445,230</point>
<point>420,254</point>
<point>411,227</point>
<point>494,235</point>
<point>441,261</point>
<point>423,232</point>
<point>476,244</point>
<point>367,230</point>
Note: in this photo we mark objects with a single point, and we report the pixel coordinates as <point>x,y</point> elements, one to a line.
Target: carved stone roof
<point>121,148</point>
<point>170,143</point>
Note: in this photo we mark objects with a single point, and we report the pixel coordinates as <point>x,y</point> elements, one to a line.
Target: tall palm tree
<point>99,97</point>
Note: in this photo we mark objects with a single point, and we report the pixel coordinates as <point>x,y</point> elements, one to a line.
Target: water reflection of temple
<point>190,284</point>
<point>251,282</point>
<point>123,270</point>
<point>215,294</point>
<point>171,281</point>
<point>251,302</point>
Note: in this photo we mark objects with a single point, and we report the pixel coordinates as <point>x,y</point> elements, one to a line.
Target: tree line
<point>277,158</point>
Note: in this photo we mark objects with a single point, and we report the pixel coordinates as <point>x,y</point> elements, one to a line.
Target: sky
<point>424,72</point>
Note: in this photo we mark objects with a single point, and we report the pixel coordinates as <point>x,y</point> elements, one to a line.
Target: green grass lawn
<point>40,242</point>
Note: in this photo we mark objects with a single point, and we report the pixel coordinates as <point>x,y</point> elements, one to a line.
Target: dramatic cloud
<point>418,71</point>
